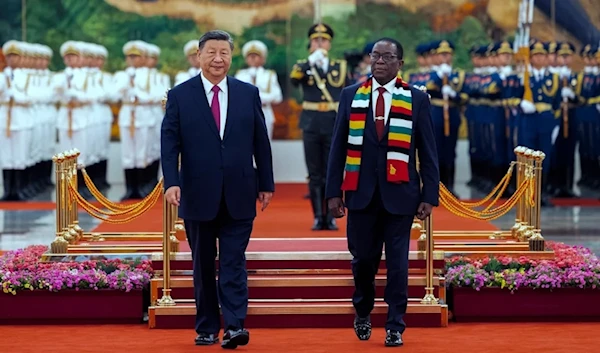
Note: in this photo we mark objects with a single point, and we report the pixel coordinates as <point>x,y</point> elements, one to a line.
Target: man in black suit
<point>215,122</point>
<point>379,126</point>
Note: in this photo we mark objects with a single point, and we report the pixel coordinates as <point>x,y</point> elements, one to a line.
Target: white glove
<point>448,91</point>
<point>445,69</point>
<point>565,72</point>
<point>527,107</point>
<point>505,71</point>
<point>316,57</point>
<point>598,107</point>
<point>567,92</point>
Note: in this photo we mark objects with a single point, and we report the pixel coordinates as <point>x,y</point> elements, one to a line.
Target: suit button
<point>222,146</point>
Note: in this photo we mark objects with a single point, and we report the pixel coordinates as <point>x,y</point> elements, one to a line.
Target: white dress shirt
<point>387,97</point>
<point>222,98</point>
<point>538,74</point>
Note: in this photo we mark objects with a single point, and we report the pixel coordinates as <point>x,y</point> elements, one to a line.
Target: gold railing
<point>526,200</point>
<point>68,201</point>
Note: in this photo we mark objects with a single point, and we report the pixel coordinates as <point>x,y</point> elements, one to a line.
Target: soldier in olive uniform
<point>322,79</point>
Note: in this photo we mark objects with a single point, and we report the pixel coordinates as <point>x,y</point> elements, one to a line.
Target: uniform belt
<point>543,107</point>
<point>594,100</point>
<point>141,103</point>
<point>320,106</point>
<point>438,102</point>
<point>73,105</point>
<point>487,102</point>
<point>16,104</point>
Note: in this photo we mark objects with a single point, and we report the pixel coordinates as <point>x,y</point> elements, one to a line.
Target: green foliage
<point>55,21</point>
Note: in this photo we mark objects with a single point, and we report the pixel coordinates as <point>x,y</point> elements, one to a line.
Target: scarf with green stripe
<point>399,135</point>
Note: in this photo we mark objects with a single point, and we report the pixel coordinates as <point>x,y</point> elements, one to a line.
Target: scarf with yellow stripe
<point>399,135</point>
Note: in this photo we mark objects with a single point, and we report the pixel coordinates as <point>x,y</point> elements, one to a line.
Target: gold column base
<point>521,231</point>
<point>514,231</point>
<point>96,238</point>
<point>74,234</point>
<point>537,241</point>
<point>174,243</point>
<point>68,236</point>
<point>79,230</point>
<point>59,245</point>
<point>422,242</point>
<point>496,235</point>
<point>429,298</point>
<point>166,299</point>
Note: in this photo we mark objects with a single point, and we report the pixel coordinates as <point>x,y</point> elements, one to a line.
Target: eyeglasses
<point>386,57</point>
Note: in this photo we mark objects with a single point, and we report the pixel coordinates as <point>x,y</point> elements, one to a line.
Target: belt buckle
<point>323,106</point>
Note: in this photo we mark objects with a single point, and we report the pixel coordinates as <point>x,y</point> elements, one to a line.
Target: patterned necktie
<point>380,113</point>
<point>216,108</point>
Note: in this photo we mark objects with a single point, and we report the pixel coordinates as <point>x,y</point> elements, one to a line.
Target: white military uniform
<point>265,80</point>
<point>71,86</point>
<point>135,119</point>
<point>190,48</point>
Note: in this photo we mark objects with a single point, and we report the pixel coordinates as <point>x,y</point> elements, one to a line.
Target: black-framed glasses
<point>386,57</point>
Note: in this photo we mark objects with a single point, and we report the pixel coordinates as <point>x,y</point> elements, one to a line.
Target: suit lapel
<point>203,106</point>
<point>229,120</point>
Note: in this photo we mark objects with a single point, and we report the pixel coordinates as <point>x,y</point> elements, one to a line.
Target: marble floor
<point>572,225</point>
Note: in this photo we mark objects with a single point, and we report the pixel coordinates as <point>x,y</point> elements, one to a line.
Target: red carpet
<point>476,338</point>
<point>289,216</point>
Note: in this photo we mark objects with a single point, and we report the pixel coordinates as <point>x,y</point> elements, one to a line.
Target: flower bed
<point>507,288</point>
<point>107,291</point>
<point>573,266</point>
<point>23,270</point>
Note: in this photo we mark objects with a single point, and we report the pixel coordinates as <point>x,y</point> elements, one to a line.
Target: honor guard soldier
<point>101,84</point>
<point>322,79</point>
<point>159,84</point>
<point>539,127</point>
<point>133,86</point>
<point>445,88</point>
<point>562,166</point>
<point>15,137</point>
<point>255,54</point>
<point>190,50</point>
<point>552,64</point>
<point>586,116</point>
<point>44,129</point>
<point>420,76</point>
<point>473,114</point>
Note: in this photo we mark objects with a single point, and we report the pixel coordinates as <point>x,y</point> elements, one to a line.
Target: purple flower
<point>23,270</point>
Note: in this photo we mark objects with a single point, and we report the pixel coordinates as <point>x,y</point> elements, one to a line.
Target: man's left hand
<point>264,198</point>
<point>424,210</point>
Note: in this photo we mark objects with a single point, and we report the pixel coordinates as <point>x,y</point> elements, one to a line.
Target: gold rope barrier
<point>68,201</point>
<point>526,200</point>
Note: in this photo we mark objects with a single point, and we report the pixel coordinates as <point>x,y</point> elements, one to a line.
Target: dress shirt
<point>387,97</point>
<point>222,98</point>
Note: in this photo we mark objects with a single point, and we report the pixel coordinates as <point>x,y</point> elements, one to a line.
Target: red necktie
<point>380,113</point>
<point>216,108</point>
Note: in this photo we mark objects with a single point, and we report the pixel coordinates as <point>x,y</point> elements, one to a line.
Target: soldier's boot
<point>131,192</point>
<point>316,201</point>
<point>8,184</point>
<point>19,185</point>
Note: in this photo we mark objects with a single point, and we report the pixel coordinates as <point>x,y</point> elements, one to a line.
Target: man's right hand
<point>173,195</point>
<point>336,207</point>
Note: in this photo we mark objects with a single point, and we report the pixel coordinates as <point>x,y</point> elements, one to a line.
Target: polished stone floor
<point>572,225</point>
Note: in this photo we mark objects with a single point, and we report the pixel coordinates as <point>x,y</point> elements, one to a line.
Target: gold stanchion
<point>64,198</point>
<point>519,151</point>
<point>76,226</point>
<point>526,211</point>
<point>71,201</point>
<point>173,229</point>
<point>59,245</point>
<point>532,209</point>
<point>536,241</point>
<point>166,299</point>
<point>429,297</point>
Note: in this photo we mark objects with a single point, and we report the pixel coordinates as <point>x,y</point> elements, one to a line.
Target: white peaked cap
<point>70,47</point>
<point>255,47</point>
<point>190,47</point>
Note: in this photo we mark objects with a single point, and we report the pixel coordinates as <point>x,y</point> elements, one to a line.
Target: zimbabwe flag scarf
<point>399,135</point>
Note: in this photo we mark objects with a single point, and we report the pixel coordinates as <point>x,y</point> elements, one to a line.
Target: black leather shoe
<point>234,338</point>
<point>205,339</point>
<point>393,339</point>
<point>362,327</point>
<point>318,224</point>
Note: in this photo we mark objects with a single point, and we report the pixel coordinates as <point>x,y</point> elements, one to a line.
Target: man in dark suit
<point>216,124</point>
<point>379,126</point>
